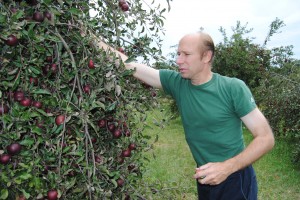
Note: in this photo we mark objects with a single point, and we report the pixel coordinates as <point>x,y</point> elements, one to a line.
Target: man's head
<point>195,55</point>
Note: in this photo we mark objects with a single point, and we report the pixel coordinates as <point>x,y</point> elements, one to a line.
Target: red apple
<point>14,148</point>
<point>19,95</point>
<point>87,89</point>
<point>125,7</point>
<point>120,182</point>
<point>59,119</point>
<point>25,102</point>
<point>49,59</point>
<point>4,159</point>
<point>91,64</point>
<point>38,16</point>
<point>47,14</point>
<point>111,127</point>
<point>12,40</point>
<point>98,159</point>
<point>121,50</point>
<point>33,80</point>
<point>52,195</point>
<point>94,140</point>
<point>37,104</point>
<point>132,146</point>
<point>102,123</point>
<point>126,153</point>
<point>117,133</point>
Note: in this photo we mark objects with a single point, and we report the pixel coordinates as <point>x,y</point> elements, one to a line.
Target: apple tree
<point>71,116</point>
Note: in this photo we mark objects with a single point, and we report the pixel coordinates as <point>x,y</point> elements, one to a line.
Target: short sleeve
<point>243,101</point>
<point>169,81</point>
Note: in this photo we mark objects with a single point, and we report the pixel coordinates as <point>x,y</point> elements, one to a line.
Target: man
<point>213,108</point>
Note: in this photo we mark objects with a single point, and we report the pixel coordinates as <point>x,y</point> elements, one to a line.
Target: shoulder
<point>230,82</point>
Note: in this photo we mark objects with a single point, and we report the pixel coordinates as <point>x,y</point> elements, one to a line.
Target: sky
<point>190,15</point>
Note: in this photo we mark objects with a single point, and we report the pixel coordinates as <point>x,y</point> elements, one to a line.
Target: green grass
<point>169,173</point>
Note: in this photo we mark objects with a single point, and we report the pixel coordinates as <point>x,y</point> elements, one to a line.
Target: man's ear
<point>207,56</point>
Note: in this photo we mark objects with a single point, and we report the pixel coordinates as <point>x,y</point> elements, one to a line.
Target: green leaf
<point>114,182</point>
<point>4,194</point>
<point>27,195</point>
<point>34,70</point>
<point>37,130</point>
<point>41,91</point>
<point>130,59</point>
<point>74,11</point>
<point>25,176</point>
<point>27,142</point>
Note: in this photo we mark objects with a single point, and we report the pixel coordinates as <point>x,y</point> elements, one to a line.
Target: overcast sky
<point>189,15</point>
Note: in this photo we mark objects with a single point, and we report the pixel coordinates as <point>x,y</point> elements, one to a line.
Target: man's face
<point>189,58</point>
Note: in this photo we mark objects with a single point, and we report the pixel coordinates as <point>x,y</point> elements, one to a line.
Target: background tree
<point>271,74</point>
<point>71,119</point>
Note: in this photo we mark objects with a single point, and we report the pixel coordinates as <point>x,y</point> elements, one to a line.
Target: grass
<point>169,173</point>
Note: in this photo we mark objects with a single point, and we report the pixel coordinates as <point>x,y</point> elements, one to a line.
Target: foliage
<point>240,57</point>
<point>281,101</point>
<point>50,66</point>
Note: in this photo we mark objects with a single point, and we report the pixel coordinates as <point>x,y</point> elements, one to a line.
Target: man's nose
<point>179,60</point>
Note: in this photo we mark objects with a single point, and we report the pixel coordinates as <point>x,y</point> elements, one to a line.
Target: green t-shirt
<point>210,114</point>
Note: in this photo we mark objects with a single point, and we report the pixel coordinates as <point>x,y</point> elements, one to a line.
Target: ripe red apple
<point>33,80</point>
<point>38,16</point>
<point>126,153</point>
<point>125,7</point>
<point>14,148</point>
<point>19,95</point>
<point>102,123</point>
<point>37,104</point>
<point>59,119</point>
<point>91,64</point>
<point>4,159</point>
<point>87,89</point>
<point>3,109</point>
<point>111,127</point>
<point>132,146</point>
<point>47,14</point>
<point>50,69</point>
<point>98,159</point>
<point>121,50</point>
<point>120,182</point>
<point>12,40</point>
<point>52,194</point>
<point>49,59</point>
<point>94,140</point>
<point>25,102</point>
<point>13,10</point>
<point>117,133</point>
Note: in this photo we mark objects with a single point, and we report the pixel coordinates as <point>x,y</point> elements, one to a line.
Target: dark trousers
<point>241,185</point>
